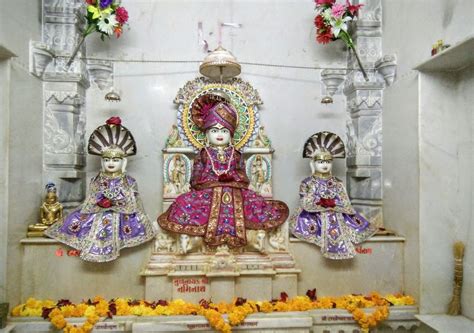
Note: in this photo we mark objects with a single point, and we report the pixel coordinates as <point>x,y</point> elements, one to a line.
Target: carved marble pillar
<point>364,124</point>
<point>64,98</point>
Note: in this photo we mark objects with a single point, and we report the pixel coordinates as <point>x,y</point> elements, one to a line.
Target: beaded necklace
<point>219,172</point>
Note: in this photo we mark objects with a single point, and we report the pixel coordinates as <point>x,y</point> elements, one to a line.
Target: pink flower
<point>324,2</point>
<point>122,15</point>
<point>338,10</point>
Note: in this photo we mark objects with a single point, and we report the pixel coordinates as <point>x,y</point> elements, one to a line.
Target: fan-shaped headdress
<point>325,146</point>
<point>214,108</point>
<point>112,140</point>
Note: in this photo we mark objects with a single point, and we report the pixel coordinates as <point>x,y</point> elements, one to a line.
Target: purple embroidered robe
<point>220,207</point>
<point>326,218</point>
<point>111,218</point>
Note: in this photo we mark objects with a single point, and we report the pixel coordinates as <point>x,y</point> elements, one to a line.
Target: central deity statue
<point>220,207</point>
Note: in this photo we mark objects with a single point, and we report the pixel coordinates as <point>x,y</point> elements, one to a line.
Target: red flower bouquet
<point>331,23</point>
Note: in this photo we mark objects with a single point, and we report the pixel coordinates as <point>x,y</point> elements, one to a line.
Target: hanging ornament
<point>220,65</point>
<point>332,79</point>
<point>113,95</point>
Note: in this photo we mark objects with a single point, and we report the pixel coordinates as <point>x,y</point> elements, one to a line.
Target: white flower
<point>339,24</point>
<point>107,22</point>
<point>327,14</point>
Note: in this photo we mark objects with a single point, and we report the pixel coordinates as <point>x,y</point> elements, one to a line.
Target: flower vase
<point>76,49</point>
<point>3,314</point>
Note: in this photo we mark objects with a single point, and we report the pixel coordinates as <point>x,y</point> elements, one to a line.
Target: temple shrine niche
<point>184,266</point>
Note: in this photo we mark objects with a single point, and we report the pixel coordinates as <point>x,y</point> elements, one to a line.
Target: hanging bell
<point>326,100</point>
<point>112,96</point>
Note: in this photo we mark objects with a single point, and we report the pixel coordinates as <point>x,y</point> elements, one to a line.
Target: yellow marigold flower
<point>266,307</point>
<point>59,322</point>
<point>32,303</point>
<point>93,318</point>
<point>102,308</point>
<point>98,298</point>
<point>48,303</point>
<point>79,310</point>
<point>55,312</point>
<point>89,311</point>
<point>16,311</point>
<point>87,327</point>
<point>281,307</point>
<point>67,310</point>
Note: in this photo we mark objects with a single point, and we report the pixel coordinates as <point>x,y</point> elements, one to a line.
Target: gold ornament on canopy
<point>220,65</point>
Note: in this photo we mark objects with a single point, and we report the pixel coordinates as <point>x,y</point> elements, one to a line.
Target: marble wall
<point>445,134</point>
<point>430,222</point>
<point>20,108</point>
<point>401,184</point>
<point>4,122</point>
<point>466,89</point>
<point>269,33</point>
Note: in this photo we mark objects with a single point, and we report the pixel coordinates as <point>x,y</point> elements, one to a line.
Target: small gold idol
<point>51,211</point>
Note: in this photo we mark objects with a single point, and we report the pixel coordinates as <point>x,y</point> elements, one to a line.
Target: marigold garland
<point>237,311</point>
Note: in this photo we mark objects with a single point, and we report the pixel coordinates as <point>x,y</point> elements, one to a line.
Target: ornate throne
<point>189,270</point>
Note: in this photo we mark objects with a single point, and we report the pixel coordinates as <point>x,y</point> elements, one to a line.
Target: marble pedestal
<point>220,276</point>
<point>52,270</point>
<point>378,266</point>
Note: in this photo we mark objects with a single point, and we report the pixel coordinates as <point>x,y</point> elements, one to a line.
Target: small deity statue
<point>262,140</point>
<point>178,173</point>
<point>277,240</point>
<point>325,216</point>
<point>51,211</point>
<point>174,140</point>
<point>220,207</point>
<point>112,216</point>
<point>258,173</point>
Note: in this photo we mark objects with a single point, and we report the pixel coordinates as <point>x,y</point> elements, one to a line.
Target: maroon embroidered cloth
<point>220,207</point>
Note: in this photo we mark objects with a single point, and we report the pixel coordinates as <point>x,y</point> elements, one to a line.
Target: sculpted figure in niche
<point>258,173</point>
<point>325,216</point>
<point>112,216</point>
<point>178,173</point>
<point>220,207</point>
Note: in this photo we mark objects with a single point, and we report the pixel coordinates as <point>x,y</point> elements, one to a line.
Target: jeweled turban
<point>214,108</point>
